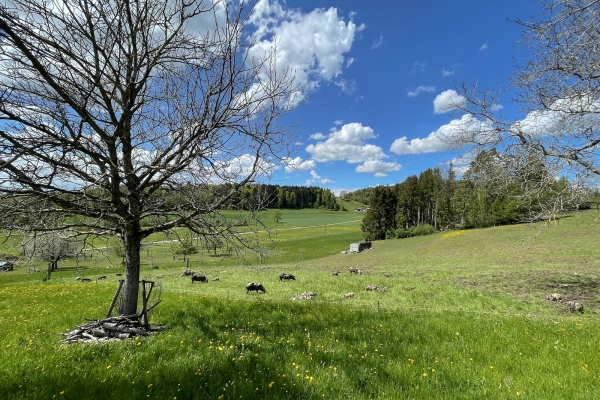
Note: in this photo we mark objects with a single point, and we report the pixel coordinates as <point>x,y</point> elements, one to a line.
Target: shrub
<point>421,230</point>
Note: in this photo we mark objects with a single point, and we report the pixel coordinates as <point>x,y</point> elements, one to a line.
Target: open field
<point>465,317</point>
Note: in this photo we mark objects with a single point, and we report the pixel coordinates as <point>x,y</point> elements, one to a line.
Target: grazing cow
<point>188,272</point>
<point>349,295</point>
<point>286,277</point>
<point>215,279</point>
<point>101,277</point>
<point>387,275</point>
<point>335,273</point>
<point>355,270</point>
<point>256,287</point>
<point>85,280</point>
<point>199,278</point>
<point>119,274</point>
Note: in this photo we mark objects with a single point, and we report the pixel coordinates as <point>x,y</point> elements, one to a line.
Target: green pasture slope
<point>465,316</point>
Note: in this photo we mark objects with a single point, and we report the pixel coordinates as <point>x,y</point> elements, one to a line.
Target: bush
<point>421,230</point>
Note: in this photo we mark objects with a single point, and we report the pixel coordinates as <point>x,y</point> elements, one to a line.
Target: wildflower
<point>271,385</point>
<point>424,374</point>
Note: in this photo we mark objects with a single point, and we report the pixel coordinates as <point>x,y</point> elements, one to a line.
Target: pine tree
<point>381,216</point>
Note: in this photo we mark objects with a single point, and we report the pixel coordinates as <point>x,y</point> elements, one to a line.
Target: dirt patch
<point>534,286</point>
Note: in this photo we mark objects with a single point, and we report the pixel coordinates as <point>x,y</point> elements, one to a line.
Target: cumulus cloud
<point>298,164</point>
<point>563,117</point>
<point>318,136</point>
<point>347,144</point>
<point>378,167</point>
<point>483,47</point>
<point>316,179</point>
<point>439,139</point>
<point>420,89</point>
<point>310,44</point>
<point>447,101</point>
<point>446,72</point>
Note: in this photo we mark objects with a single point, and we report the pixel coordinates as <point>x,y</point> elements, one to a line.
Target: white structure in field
<point>358,247</point>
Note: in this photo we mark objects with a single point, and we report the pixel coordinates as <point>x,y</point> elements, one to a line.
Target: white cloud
<point>240,167</point>
<point>318,136</point>
<point>447,101</point>
<point>439,139</point>
<point>310,44</point>
<point>483,47</point>
<point>347,87</point>
<point>317,179</point>
<point>497,107</point>
<point>446,72</point>
<point>420,89</point>
<point>377,42</point>
<point>378,167</point>
<point>347,144</point>
<point>580,113</point>
<point>336,122</point>
<point>297,164</point>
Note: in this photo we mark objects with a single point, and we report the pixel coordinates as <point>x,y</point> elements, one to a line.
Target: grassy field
<point>465,317</point>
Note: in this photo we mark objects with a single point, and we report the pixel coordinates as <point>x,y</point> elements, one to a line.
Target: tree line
<point>487,194</point>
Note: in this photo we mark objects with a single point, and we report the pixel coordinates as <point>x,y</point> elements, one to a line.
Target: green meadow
<point>465,316</point>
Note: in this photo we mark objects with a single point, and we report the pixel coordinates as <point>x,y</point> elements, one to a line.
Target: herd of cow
<point>259,287</point>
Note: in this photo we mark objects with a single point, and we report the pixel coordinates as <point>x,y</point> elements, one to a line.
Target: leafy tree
<point>381,216</point>
<point>106,103</point>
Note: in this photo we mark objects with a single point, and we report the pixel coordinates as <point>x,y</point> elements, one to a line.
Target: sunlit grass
<point>465,317</point>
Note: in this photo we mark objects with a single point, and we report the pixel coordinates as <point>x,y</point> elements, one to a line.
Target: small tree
<point>277,217</point>
<point>186,248</point>
<point>51,247</point>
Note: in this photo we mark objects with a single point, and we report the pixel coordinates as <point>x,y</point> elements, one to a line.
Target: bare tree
<point>558,88</point>
<point>51,247</point>
<point>129,118</point>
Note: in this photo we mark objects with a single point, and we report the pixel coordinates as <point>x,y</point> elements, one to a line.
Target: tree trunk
<point>132,243</point>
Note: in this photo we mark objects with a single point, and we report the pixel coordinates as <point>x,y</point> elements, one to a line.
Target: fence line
<point>358,305</point>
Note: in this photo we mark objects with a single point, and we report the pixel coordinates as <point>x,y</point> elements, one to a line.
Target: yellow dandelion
<point>424,374</point>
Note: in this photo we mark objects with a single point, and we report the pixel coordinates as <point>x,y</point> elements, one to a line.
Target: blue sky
<point>381,74</point>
